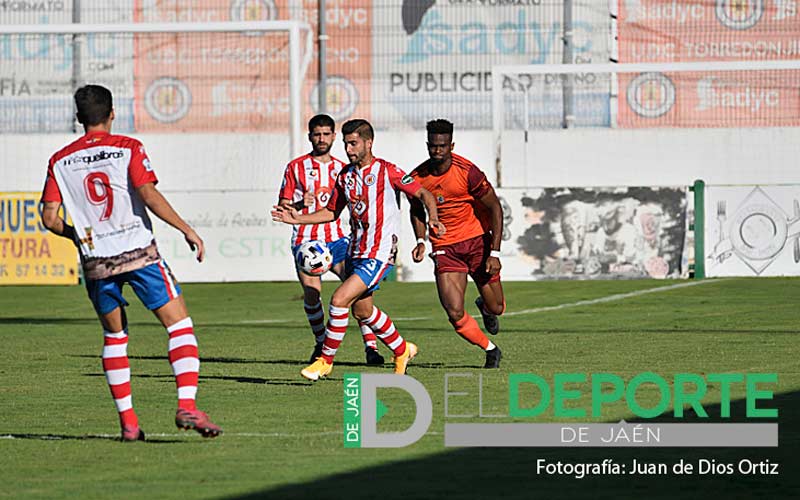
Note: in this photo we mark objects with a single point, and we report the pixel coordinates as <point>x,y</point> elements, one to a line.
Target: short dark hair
<point>440,126</point>
<point>359,126</point>
<point>321,121</point>
<point>94,104</point>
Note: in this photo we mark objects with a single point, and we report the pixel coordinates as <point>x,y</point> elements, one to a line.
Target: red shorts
<point>468,256</point>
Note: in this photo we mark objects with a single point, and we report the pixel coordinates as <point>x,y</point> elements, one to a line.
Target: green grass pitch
<point>283,435</point>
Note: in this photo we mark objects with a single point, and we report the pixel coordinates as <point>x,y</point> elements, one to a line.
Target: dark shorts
<point>468,256</point>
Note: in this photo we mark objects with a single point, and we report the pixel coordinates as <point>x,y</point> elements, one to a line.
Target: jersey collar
<point>96,133</point>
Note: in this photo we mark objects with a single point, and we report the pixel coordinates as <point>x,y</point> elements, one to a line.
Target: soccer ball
<point>314,258</point>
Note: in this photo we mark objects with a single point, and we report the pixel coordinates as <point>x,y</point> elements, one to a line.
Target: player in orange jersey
<point>470,211</point>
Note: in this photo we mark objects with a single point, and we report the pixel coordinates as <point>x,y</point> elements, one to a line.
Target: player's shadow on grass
<point>469,473</point>
<point>204,360</point>
<point>300,362</point>
<point>92,321</point>
<point>20,321</point>
<point>410,330</point>
<point>440,365</point>
<point>84,437</point>
<point>387,364</point>
<point>23,320</point>
<point>229,378</point>
<point>290,362</point>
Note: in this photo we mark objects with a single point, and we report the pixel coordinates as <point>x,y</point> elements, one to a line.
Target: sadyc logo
<point>362,410</point>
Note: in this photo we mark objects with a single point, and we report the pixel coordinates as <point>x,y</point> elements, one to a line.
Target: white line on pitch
<point>535,310</point>
<point>609,298</point>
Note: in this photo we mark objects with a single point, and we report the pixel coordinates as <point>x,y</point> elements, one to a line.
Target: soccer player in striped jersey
<point>469,209</point>
<point>106,184</point>
<point>308,183</point>
<point>367,187</point>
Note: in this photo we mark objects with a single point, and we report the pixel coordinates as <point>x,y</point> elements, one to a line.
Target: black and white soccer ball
<point>314,258</point>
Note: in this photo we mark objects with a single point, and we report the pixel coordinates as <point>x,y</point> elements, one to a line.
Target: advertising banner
<point>708,30</point>
<point>210,81</point>
<point>240,81</point>
<point>29,253</point>
<point>752,230</point>
<point>718,30</point>
<point>436,57</point>
<point>349,55</point>
<point>37,71</point>
<point>242,242</point>
<point>719,99</point>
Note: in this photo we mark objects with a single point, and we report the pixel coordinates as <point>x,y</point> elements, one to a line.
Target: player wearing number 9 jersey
<point>106,184</point>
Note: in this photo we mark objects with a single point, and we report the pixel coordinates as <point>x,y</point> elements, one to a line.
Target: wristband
<point>420,240</point>
<point>495,253</point>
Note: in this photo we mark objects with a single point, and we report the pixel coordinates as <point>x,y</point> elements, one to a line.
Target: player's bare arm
<point>159,205</point>
<point>54,222</point>
<point>491,202</point>
<point>429,201</point>
<point>307,201</point>
<point>418,223</point>
<point>290,215</point>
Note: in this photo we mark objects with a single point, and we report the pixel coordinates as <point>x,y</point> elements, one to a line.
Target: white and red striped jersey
<point>95,178</point>
<point>307,174</point>
<point>369,193</point>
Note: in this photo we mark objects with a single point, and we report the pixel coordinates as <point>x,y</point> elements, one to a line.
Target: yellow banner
<point>29,253</point>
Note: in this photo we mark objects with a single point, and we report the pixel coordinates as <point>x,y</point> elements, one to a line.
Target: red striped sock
<point>185,361</point>
<point>382,325</point>
<point>118,375</point>
<point>334,333</point>
<point>316,318</point>
<point>370,340</point>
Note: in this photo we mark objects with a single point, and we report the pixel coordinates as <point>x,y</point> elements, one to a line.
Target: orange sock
<point>469,330</point>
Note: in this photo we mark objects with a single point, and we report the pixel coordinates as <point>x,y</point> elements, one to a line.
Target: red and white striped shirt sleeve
<point>338,197</point>
<point>289,183</point>
<point>139,169</point>
<point>51,191</point>
<point>402,181</point>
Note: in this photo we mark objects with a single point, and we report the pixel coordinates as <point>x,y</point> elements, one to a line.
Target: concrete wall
<point>216,161</point>
<point>656,157</point>
<point>225,184</point>
<point>181,161</point>
<point>578,157</point>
